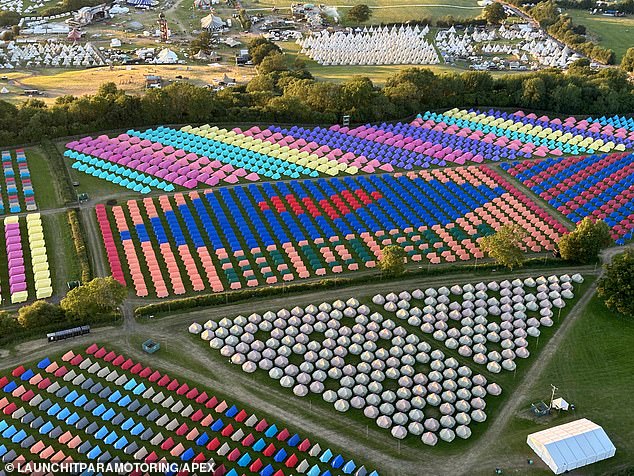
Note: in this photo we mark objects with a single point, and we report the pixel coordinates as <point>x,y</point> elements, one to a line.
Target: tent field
<point>101,406</point>
<point>258,235</point>
<point>165,158</point>
<point>17,190</point>
<point>25,268</point>
<point>422,364</point>
<point>599,186</point>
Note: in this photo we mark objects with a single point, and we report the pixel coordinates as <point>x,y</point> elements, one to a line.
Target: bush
<point>72,217</point>
<point>359,13</point>
<point>40,314</point>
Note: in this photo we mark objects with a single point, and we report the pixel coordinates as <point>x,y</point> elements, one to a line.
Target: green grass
<point>593,370</point>
<point>45,183</point>
<point>611,32</point>
<point>59,237</point>
<point>386,11</point>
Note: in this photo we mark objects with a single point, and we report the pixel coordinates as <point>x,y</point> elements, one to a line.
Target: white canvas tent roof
<point>573,445</point>
<point>560,404</point>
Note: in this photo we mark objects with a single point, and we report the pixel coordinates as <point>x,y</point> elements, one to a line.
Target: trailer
<point>68,333</point>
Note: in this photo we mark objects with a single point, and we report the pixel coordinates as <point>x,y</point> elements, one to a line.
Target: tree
<point>260,48</point>
<point>271,63</point>
<point>359,13</point>
<point>8,324</point>
<point>505,245</point>
<point>97,297</point>
<point>616,286</point>
<point>545,13</point>
<point>392,261</point>
<point>627,63</point>
<point>494,13</point>
<point>39,314</point>
<point>584,243</point>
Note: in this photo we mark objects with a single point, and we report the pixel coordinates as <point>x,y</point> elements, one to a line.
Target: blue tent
<point>188,454</point>
<point>108,415</point>
<point>271,431</point>
<point>267,471</point>
<point>93,453</point>
<point>259,445</point>
<point>244,460</point>
<point>111,438</point>
<point>325,456</point>
<point>280,455</point>
<point>337,462</point>
<point>101,433</point>
<point>54,410</point>
<point>65,413</point>
<point>45,428</point>
<point>71,397</point>
<point>349,467</point>
<point>202,439</point>
<point>126,425</point>
<point>27,375</point>
<point>138,429</point>
<point>72,419</point>
<point>19,436</point>
<point>121,443</point>
<point>314,471</point>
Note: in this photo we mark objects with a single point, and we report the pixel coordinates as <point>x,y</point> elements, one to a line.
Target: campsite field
<point>387,11</point>
<point>610,32</point>
<point>592,369</point>
<point>509,381</point>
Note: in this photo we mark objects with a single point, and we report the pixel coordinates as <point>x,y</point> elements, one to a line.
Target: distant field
<point>593,370</point>
<point>58,82</point>
<point>610,32</point>
<point>384,11</point>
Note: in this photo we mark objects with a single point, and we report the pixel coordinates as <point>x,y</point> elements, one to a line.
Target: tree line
<point>282,94</point>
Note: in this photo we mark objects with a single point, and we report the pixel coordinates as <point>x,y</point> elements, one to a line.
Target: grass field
<point>58,82</point>
<point>610,32</point>
<point>593,370</point>
<point>386,11</point>
<point>45,184</point>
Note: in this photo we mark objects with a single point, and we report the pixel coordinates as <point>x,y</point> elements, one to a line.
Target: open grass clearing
<point>593,370</point>
<point>387,11</point>
<point>45,182</point>
<point>58,82</point>
<point>616,33</point>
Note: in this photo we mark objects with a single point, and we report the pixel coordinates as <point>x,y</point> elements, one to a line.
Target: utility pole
<point>552,396</point>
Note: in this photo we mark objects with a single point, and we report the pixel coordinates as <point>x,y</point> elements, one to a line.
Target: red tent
<point>269,450</point>
<point>92,349</point>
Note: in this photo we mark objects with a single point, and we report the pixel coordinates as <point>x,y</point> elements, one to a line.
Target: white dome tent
<point>371,46</point>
